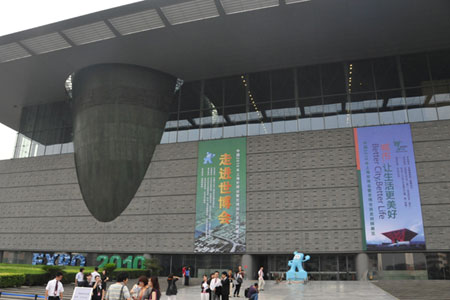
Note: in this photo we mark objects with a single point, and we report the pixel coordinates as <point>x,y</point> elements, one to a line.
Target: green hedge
<point>35,279</point>
<point>18,279</point>
<point>11,280</point>
<point>69,277</point>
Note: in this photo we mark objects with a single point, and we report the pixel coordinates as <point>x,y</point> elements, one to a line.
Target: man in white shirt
<point>79,278</point>
<point>261,281</point>
<point>55,289</point>
<point>216,287</point>
<point>94,274</point>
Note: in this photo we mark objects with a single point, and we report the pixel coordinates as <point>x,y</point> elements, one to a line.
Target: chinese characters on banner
<point>221,196</point>
<point>389,190</point>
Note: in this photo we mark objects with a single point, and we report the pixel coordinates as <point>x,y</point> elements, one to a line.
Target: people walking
<point>216,287</point>
<point>88,281</point>
<point>205,291</point>
<point>231,278</point>
<point>225,286</point>
<point>94,274</point>
<point>187,274</point>
<point>138,287</point>
<point>172,291</point>
<point>98,290</point>
<point>155,293</point>
<point>79,278</point>
<point>105,279</point>
<point>144,291</point>
<point>239,278</point>
<point>55,288</point>
<point>211,277</point>
<point>119,290</point>
<point>261,281</point>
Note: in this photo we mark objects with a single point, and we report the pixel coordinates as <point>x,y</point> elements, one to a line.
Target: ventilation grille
<point>295,1</point>
<point>138,22</point>
<point>89,33</point>
<point>46,43</point>
<point>190,11</point>
<point>12,51</point>
<point>239,6</point>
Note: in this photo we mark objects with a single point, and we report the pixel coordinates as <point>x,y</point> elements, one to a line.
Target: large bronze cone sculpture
<point>119,116</point>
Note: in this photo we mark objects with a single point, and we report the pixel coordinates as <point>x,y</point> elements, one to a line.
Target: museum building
<point>114,109</point>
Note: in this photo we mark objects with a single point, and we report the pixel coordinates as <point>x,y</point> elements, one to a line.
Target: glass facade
<point>388,90</point>
<point>416,265</point>
<point>45,129</point>
<point>319,267</point>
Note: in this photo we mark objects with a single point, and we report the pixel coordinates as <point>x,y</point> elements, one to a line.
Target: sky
<point>18,15</point>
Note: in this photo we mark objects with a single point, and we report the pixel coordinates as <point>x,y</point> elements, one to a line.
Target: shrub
<point>35,279</point>
<point>153,266</point>
<point>110,268</point>
<point>11,280</point>
<point>51,271</point>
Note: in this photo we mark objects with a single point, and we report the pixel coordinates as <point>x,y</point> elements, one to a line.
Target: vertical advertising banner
<point>389,191</point>
<point>221,205</point>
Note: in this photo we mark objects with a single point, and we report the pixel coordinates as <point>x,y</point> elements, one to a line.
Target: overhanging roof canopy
<point>195,39</point>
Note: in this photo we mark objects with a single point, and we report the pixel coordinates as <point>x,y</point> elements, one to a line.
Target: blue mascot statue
<point>297,263</point>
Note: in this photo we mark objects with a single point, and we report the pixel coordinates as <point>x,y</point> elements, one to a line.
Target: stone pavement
<point>317,290</point>
<point>417,289</point>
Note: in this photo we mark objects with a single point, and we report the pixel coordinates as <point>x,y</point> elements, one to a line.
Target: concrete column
<point>362,266</point>
<point>119,116</point>
<point>250,262</point>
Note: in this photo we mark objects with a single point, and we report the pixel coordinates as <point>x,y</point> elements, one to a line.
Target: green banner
<point>221,206</point>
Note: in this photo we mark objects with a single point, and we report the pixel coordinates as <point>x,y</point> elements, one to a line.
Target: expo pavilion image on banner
<point>392,215</point>
<point>220,221</point>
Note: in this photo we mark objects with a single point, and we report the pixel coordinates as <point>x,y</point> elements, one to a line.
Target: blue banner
<point>392,214</point>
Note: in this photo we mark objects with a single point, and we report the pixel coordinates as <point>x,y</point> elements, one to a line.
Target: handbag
<point>218,290</point>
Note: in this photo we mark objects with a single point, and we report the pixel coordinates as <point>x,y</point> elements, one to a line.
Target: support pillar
<point>362,266</point>
<point>249,261</point>
<point>119,116</point>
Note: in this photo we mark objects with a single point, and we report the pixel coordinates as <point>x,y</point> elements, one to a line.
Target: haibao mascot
<point>297,263</point>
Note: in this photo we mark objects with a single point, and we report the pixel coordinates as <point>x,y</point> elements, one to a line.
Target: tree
<point>152,264</point>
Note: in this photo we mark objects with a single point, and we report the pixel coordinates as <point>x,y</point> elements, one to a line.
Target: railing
<point>35,296</point>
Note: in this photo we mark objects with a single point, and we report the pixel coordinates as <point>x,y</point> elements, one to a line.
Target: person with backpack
<point>252,292</point>
<point>172,291</point>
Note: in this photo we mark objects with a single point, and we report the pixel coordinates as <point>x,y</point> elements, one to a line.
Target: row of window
<point>390,90</point>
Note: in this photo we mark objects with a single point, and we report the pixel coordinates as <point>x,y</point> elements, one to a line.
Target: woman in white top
<point>205,288</point>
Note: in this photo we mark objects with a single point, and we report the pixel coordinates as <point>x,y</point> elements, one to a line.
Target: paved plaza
<point>317,290</point>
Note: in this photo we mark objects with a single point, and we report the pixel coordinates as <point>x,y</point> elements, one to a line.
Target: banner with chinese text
<point>221,204</point>
<point>389,191</point>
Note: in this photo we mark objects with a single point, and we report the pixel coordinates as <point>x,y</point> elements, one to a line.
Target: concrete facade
<point>302,193</point>
<point>119,116</point>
